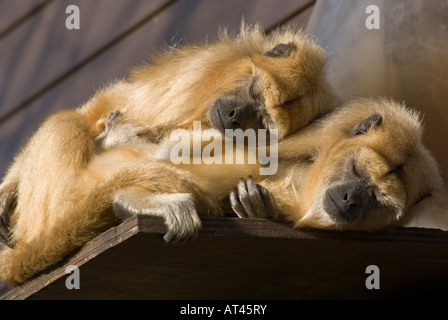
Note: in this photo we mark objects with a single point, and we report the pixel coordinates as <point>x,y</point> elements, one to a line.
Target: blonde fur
<point>392,159</point>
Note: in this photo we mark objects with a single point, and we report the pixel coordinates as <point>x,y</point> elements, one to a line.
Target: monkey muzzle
<point>350,201</point>
<point>232,113</point>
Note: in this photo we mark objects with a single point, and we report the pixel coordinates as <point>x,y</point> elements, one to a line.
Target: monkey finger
<point>4,219</point>
<point>178,236</point>
<point>270,208</point>
<point>245,198</point>
<point>190,229</point>
<point>169,236</point>
<point>174,233</point>
<point>255,197</point>
<point>182,225</point>
<point>4,236</point>
<point>112,118</point>
<point>236,204</point>
<point>7,203</point>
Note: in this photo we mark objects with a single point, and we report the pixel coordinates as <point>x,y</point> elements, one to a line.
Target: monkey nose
<point>232,116</point>
<point>349,199</point>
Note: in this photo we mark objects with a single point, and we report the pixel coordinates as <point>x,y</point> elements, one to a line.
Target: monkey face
<point>252,80</point>
<point>284,91</point>
<point>370,179</point>
<point>366,194</point>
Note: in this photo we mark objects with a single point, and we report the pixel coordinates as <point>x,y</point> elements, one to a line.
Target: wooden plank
<point>107,240</point>
<point>249,259</point>
<point>190,20</point>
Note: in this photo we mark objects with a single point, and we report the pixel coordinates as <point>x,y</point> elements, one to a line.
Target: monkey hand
<point>182,225</point>
<point>7,203</point>
<point>250,200</point>
<point>177,210</point>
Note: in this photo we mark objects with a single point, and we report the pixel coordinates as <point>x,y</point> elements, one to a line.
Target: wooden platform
<point>249,259</point>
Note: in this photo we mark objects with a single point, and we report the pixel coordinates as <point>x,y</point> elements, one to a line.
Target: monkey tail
<point>28,258</point>
<point>83,220</point>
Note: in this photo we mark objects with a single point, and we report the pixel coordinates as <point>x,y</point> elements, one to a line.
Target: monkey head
<point>248,80</point>
<point>370,178</point>
<point>283,87</point>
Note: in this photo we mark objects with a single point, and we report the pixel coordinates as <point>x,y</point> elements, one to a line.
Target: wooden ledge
<point>248,259</point>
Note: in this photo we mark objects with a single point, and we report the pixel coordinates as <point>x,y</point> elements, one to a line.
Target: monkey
<point>249,80</point>
<point>373,180</point>
<point>131,176</point>
<point>362,167</point>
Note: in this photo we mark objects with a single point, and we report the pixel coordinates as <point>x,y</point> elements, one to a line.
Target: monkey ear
<point>365,125</point>
<point>280,50</point>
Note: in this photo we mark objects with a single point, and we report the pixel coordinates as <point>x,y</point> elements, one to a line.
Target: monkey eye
<point>355,169</point>
<point>396,169</point>
<point>292,101</point>
<point>253,94</point>
<point>251,90</point>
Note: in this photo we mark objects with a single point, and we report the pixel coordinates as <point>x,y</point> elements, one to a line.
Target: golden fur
<point>61,202</point>
<point>390,158</point>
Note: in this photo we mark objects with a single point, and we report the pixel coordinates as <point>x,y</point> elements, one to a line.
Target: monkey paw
<point>182,222</point>
<point>7,203</point>
<point>250,200</point>
<point>177,210</point>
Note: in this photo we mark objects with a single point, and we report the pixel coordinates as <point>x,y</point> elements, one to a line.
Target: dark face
<point>350,200</point>
<point>362,187</point>
<point>372,175</point>
<point>353,199</point>
<point>244,109</point>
